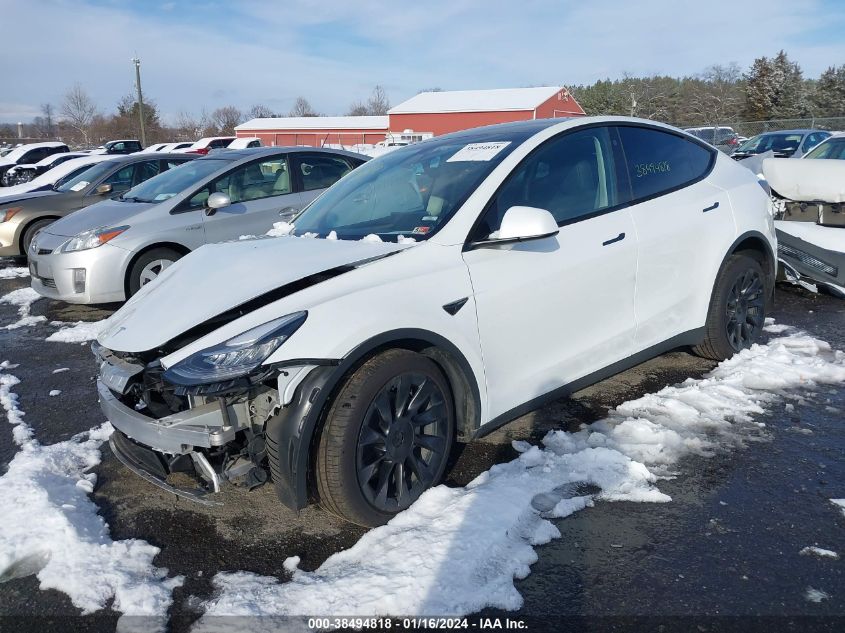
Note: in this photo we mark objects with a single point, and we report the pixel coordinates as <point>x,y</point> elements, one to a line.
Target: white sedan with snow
<point>465,281</point>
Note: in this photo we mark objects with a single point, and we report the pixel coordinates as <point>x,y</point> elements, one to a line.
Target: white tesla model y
<point>428,297</point>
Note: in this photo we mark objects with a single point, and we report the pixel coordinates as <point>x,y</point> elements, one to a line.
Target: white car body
<point>12,157</point>
<point>244,142</point>
<point>206,143</point>
<point>536,318</point>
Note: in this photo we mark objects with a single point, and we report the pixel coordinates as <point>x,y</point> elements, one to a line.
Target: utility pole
<point>137,63</point>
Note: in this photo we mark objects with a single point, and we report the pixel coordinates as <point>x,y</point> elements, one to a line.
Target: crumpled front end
<point>187,443</point>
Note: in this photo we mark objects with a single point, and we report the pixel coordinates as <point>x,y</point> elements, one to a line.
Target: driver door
<point>261,193</point>
<point>556,309</point>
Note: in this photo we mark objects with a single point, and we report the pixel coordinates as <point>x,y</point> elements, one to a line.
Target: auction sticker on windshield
<point>478,151</point>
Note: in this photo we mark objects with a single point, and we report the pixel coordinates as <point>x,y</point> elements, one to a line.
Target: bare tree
<point>378,103</point>
<point>358,108</point>
<point>45,124</point>
<point>78,110</point>
<point>226,118</point>
<point>260,111</point>
<point>301,107</point>
<point>718,96</point>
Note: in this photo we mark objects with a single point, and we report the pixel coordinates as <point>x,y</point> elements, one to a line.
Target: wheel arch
<point>26,225</point>
<point>179,248</point>
<point>294,434</point>
<point>756,244</point>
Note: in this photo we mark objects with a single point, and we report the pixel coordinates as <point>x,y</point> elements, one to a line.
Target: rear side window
<point>659,162</point>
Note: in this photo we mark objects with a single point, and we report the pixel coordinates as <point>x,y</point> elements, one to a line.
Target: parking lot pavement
<point>728,544</point>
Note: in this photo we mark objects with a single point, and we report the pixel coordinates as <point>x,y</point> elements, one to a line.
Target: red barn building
<point>428,113</point>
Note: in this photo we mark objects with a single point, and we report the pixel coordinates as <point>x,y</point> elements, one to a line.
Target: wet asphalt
<point>724,554</point>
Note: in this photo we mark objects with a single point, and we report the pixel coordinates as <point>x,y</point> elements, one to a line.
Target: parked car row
<point>425,297</point>
<point>25,162</point>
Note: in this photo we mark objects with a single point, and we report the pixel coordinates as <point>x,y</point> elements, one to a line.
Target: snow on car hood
<point>807,179</point>
<point>218,277</point>
<point>107,212</point>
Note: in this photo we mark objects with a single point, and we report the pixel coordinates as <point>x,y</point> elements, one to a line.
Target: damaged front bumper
<point>191,452</point>
<point>803,261</point>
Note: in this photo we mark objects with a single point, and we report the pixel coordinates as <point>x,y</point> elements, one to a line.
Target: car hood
<point>217,278</point>
<point>24,197</point>
<point>107,212</point>
<point>806,180</point>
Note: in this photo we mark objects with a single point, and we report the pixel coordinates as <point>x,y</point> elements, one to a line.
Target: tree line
<point>79,121</point>
<point>771,88</point>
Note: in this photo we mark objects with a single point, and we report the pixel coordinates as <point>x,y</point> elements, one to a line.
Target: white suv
<point>453,285</point>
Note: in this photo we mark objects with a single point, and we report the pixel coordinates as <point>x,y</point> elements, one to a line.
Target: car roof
<point>799,131</point>
<point>138,156</point>
<point>249,152</point>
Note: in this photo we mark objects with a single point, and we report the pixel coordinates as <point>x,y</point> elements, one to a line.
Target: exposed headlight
<point>9,213</point>
<point>92,239</point>
<point>236,357</point>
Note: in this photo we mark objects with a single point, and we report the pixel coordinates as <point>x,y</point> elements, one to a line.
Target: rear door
<point>684,224</point>
<point>261,193</point>
<point>556,309</point>
<point>314,172</point>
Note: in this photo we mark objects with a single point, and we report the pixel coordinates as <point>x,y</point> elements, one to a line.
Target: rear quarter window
<point>659,162</point>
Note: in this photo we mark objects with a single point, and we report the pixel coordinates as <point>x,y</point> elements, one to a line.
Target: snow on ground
<point>840,503</point>
<point>816,595</point>
<point>23,298</point>
<point>79,332</point>
<point>812,550</point>
<point>52,529</point>
<point>55,392</point>
<point>13,273</point>
<point>60,370</point>
<point>457,550</point>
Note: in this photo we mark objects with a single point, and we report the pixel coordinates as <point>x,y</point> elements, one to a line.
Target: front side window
<point>572,176</point>
<point>832,148</point>
<point>659,162</point>
<point>121,179</point>
<point>144,171</point>
<point>253,181</point>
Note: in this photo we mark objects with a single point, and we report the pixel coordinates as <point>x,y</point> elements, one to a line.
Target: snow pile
<point>812,550</point>
<point>456,551</point>
<point>14,273</point>
<point>80,332</point>
<point>51,528</point>
<point>55,392</point>
<point>840,503</point>
<point>23,298</point>
<point>280,229</point>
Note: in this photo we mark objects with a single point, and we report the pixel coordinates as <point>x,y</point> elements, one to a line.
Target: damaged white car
<point>428,297</point>
<point>810,218</point>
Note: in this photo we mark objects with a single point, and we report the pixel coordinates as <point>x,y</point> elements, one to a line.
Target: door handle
<point>618,238</point>
<point>715,205</point>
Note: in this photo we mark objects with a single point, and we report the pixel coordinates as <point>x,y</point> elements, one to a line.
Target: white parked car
<point>205,145</point>
<point>244,142</point>
<point>55,176</point>
<point>428,297</point>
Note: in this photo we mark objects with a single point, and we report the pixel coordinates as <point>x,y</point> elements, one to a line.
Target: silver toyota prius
<point>106,252</point>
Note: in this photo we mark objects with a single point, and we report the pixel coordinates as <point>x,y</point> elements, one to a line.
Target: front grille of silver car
<point>44,251</point>
<point>47,281</point>
<point>807,259</point>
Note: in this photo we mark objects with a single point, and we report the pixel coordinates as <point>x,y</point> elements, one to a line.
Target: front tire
<point>386,438</point>
<point>30,233</point>
<point>149,266</point>
<point>737,310</point>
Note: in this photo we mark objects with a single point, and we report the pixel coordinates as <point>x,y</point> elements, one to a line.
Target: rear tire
<point>386,439</point>
<point>737,310</point>
<point>148,266</point>
<point>30,232</point>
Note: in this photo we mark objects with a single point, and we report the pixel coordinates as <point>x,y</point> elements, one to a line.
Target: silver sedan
<point>106,252</point>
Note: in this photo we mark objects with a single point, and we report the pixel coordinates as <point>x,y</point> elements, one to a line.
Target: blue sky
<point>208,53</point>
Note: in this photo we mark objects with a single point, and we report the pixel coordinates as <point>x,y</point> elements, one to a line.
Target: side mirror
<point>216,201</point>
<point>521,224</point>
<point>103,190</point>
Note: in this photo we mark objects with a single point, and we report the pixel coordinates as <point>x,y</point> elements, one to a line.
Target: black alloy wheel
<point>403,442</point>
<point>745,310</point>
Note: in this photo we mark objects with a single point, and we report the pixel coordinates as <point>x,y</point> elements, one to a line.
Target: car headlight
<point>92,239</point>
<point>8,214</point>
<point>236,357</point>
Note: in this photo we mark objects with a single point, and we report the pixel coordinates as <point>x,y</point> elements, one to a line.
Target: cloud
<point>205,55</point>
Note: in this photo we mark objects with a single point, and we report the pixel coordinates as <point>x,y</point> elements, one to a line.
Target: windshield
<point>831,148</point>
<point>84,178</point>
<point>774,142</point>
<point>412,191</point>
<point>173,181</point>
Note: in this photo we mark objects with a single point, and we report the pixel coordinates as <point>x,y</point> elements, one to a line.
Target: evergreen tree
<point>829,93</point>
